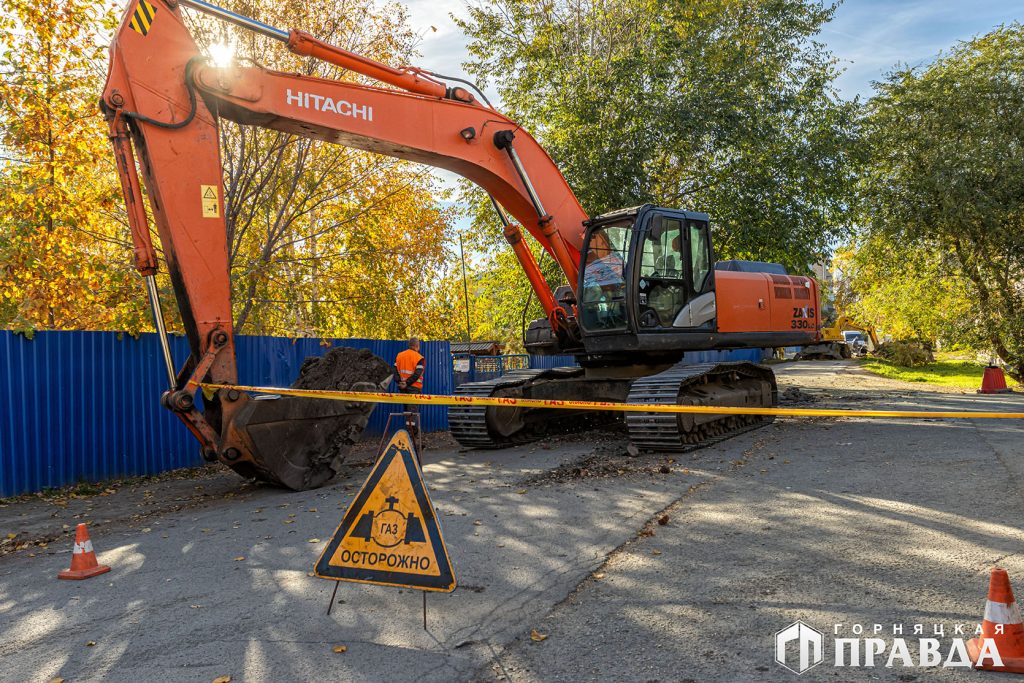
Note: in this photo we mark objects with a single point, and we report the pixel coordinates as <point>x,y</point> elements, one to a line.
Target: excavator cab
<point>645,271</point>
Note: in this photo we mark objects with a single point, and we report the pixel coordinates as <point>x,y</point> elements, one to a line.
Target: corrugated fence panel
<point>547,362</point>
<point>692,357</point>
<point>85,406</point>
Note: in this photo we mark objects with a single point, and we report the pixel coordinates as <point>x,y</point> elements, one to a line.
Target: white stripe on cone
<point>1001,613</point>
<point>86,547</point>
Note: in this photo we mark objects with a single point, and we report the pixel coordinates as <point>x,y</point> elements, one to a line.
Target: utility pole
<point>465,285</point>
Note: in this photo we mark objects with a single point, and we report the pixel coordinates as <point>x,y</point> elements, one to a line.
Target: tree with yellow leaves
<point>323,240</point>
<point>326,240</point>
<point>62,242</point>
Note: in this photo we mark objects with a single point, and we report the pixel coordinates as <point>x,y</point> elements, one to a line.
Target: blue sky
<point>868,36</point>
<point>871,36</point>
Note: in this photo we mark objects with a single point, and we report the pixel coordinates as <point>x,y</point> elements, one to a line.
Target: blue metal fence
<point>548,362</point>
<point>468,367</point>
<point>85,405</point>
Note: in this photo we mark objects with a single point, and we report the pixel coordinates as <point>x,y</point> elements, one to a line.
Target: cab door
<point>673,270</point>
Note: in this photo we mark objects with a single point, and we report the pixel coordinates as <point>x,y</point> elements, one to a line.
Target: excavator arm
<point>844,322</point>
<point>163,102</point>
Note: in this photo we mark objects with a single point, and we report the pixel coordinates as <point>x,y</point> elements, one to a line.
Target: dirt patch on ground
<point>796,395</point>
<point>340,368</point>
<point>611,457</point>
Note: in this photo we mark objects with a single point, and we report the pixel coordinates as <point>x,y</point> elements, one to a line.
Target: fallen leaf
<point>239,558</point>
<point>314,540</point>
<point>222,679</point>
<point>56,680</point>
<point>655,552</point>
<point>312,510</point>
<point>340,648</point>
<point>599,575</point>
<point>521,491</point>
<point>91,643</point>
<point>289,521</point>
<point>196,606</point>
<point>537,636</point>
<point>11,536</point>
<point>477,522</point>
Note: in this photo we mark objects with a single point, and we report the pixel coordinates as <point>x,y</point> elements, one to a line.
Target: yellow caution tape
<point>504,402</point>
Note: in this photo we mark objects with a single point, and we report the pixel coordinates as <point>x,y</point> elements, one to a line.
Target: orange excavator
<point>643,291</point>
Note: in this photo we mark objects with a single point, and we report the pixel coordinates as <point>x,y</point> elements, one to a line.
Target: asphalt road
<point>831,521</point>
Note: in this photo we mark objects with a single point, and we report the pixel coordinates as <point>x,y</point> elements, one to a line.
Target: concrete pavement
<point>830,521</point>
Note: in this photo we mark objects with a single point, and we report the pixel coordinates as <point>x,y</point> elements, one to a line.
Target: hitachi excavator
<point>642,289</point>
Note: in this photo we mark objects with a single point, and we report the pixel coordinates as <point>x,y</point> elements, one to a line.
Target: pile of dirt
<point>795,395</point>
<point>906,353</point>
<point>340,368</point>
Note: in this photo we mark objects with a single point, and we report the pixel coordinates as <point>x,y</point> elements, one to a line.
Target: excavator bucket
<point>300,443</point>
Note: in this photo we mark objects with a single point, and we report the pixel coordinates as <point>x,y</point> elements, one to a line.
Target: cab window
<point>700,255</point>
<point>662,283</point>
<point>603,302</point>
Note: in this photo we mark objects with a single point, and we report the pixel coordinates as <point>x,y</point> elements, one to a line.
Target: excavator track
<point>490,427</point>
<point>726,384</point>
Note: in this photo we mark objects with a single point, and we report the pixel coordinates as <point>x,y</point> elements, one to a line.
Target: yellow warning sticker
<point>211,201</point>
<point>390,534</point>
<point>142,17</point>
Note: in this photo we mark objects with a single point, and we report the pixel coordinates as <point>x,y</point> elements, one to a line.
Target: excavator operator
<point>604,283</point>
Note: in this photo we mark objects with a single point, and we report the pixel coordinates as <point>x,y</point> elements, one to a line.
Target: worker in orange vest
<point>409,367</point>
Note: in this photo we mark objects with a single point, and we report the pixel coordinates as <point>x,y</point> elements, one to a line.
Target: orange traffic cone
<point>1002,625</point>
<point>83,559</point>
<point>993,381</point>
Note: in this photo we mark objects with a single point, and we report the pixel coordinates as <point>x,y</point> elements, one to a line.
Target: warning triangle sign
<point>208,192</point>
<point>390,535</point>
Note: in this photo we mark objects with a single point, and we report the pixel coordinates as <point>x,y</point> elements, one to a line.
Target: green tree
<point>718,105</point>
<point>910,292</point>
<point>946,174</point>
